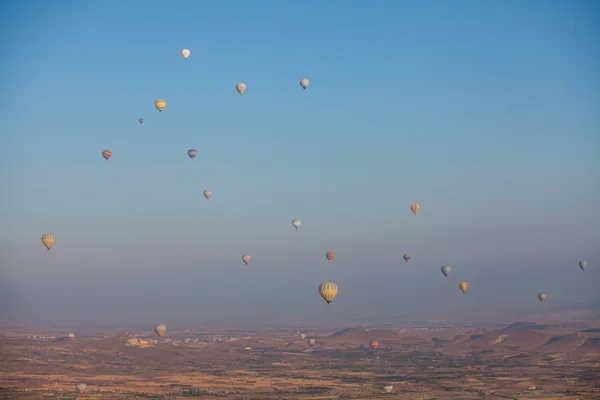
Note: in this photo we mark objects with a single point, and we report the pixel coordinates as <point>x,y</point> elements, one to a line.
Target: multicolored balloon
<point>106,154</point>
<point>388,387</point>
<point>304,83</point>
<point>192,153</point>
<point>464,286</point>
<point>374,344</point>
<point>406,257</point>
<point>329,255</point>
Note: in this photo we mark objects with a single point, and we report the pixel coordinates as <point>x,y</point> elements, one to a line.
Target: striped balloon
<point>328,291</point>
<point>329,255</point>
<point>464,286</point>
<point>48,240</point>
<point>106,154</point>
<point>192,153</point>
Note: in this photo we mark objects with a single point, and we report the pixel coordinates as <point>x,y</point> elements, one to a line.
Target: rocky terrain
<point>519,361</point>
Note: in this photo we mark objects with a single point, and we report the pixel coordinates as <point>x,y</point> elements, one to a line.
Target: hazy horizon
<point>486,114</point>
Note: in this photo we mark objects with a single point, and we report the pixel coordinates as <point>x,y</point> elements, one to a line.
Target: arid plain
<point>521,360</point>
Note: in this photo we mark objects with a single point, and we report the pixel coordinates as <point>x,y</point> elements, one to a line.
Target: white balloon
<point>241,88</point>
<point>185,53</point>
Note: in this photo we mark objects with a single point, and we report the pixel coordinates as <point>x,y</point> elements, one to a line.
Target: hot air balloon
<point>241,88</point>
<point>246,259</point>
<point>141,120</point>
<point>406,257</point>
<point>542,297</point>
<point>185,53</point>
<point>106,154</point>
<point>463,286</point>
<point>388,387</point>
<point>296,223</point>
<point>48,240</point>
<point>304,83</point>
<point>207,194</point>
<point>311,342</point>
<point>374,344</point>
<point>583,265</point>
<point>192,153</point>
<point>415,208</point>
<point>160,105</point>
<point>160,330</point>
<point>446,270</point>
<point>303,336</point>
<point>328,291</point>
<point>329,255</point>
<point>81,387</point>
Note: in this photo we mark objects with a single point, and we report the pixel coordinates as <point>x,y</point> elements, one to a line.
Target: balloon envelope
<point>463,286</point>
<point>48,240</point>
<point>246,259</point>
<point>296,223</point>
<point>374,344</point>
<point>160,330</point>
<point>192,153</point>
<point>542,297</point>
<point>241,88</point>
<point>185,53</point>
<point>415,208</point>
<point>207,194</point>
<point>446,270</point>
<point>388,387</point>
<point>80,387</point>
<point>106,154</point>
<point>329,255</point>
<point>141,120</point>
<point>583,265</point>
<point>160,105</point>
<point>406,257</point>
<point>304,83</point>
<point>328,291</point>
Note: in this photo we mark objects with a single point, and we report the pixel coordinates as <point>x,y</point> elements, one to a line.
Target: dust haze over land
<point>271,296</point>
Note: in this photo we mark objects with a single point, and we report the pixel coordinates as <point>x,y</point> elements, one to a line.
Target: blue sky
<point>484,113</point>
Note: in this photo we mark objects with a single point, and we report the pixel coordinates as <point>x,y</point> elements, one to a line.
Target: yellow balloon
<point>48,240</point>
<point>463,286</point>
<point>328,291</point>
<point>160,104</point>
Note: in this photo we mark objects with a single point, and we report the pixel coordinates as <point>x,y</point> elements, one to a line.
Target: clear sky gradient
<point>484,113</point>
